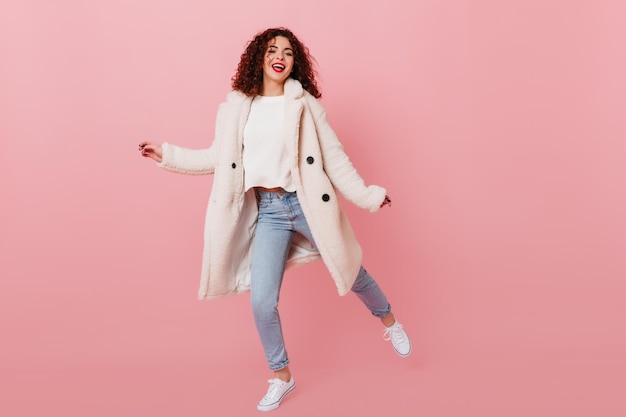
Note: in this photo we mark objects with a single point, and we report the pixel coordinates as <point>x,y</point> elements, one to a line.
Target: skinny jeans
<point>280,217</point>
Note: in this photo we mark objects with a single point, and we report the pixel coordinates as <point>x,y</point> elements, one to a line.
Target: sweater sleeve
<point>341,171</point>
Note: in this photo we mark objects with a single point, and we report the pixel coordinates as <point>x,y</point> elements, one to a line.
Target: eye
<point>288,53</point>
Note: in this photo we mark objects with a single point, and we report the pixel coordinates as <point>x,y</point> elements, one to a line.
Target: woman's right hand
<point>151,150</point>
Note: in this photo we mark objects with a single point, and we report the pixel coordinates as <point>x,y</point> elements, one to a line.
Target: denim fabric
<point>280,217</point>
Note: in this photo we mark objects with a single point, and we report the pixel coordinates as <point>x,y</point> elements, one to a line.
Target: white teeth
<point>278,66</point>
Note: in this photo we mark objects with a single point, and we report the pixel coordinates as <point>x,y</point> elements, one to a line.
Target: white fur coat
<point>320,167</point>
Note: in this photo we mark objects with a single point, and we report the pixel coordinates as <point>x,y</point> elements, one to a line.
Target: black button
<point>310,160</point>
<point>325,197</point>
<point>234,165</point>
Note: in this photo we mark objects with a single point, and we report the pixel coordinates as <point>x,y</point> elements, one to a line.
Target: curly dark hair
<point>249,76</point>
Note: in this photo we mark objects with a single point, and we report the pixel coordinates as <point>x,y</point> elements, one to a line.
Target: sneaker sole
<point>405,354</point>
<point>274,406</point>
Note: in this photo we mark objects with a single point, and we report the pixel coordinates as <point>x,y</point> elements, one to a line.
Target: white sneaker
<point>276,392</point>
<point>399,339</point>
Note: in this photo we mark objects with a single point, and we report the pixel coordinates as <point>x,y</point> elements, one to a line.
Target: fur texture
<point>320,168</point>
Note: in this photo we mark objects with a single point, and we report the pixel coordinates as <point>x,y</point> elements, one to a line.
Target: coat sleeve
<point>188,161</point>
<point>193,161</point>
<point>340,170</point>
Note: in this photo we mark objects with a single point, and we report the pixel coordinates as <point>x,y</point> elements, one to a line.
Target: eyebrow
<point>274,46</point>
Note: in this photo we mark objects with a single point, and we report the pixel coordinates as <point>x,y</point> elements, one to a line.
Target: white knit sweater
<point>265,159</point>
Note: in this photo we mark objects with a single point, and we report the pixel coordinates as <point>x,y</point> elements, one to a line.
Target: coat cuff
<point>376,197</point>
<point>166,162</point>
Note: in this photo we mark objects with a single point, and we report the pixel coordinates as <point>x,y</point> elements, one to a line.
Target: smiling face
<point>277,65</point>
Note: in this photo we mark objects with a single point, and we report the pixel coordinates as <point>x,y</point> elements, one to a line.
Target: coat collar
<point>240,103</point>
<point>293,89</point>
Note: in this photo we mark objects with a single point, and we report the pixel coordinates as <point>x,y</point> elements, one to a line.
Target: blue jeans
<point>280,217</point>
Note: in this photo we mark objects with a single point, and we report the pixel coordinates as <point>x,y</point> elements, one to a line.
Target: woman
<point>277,166</point>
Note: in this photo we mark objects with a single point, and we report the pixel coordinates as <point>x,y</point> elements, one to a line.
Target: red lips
<point>278,67</point>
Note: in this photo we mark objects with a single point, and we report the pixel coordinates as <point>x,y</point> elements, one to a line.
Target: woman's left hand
<point>386,201</point>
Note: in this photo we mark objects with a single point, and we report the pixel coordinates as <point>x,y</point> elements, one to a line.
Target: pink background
<point>497,127</point>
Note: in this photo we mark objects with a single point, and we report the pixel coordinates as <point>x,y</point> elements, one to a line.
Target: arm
<point>183,160</point>
<point>340,170</point>
<point>188,161</point>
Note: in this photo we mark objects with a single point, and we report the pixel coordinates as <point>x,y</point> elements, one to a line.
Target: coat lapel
<point>240,108</point>
<point>294,105</point>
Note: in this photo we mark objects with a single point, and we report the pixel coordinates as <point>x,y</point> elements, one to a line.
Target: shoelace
<point>275,385</point>
<point>394,334</point>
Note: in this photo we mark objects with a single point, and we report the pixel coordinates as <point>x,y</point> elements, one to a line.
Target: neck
<point>273,89</point>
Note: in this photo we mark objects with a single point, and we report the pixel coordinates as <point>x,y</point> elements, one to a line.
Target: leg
<point>372,296</point>
<point>375,300</point>
<point>269,254</point>
<point>365,288</point>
